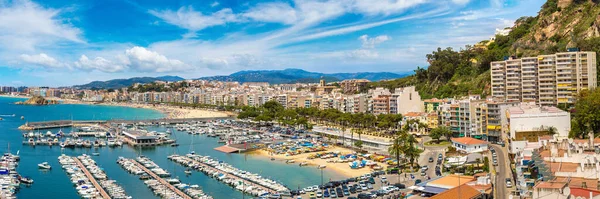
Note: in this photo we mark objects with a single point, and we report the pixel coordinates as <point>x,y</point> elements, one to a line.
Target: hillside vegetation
<point>451,73</point>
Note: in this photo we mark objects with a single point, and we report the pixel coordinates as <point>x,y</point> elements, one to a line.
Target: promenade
<point>162,181</point>
<point>91,178</point>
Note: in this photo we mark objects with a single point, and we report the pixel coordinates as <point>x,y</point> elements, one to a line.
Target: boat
<point>87,144</point>
<point>49,134</point>
<point>22,117</point>
<point>95,154</point>
<point>303,163</point>
<point>31,142</point>
<point>26,180</point>
<point>322,166</point>
<point>44,165</point>
<point>174,144</point>
<point>188,172</point>
<point>290,161</point>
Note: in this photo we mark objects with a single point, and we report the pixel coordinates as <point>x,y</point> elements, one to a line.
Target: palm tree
<point>396,149</point>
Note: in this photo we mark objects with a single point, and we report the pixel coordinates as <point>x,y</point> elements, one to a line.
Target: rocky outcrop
<point>38,100</point>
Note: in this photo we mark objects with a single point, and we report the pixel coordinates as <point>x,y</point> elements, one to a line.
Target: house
<point>469,145</point>
<point>463,191</point>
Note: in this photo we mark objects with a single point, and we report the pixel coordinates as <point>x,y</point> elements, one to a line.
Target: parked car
<point>424,168</point>
<point>430,159</point>
<point>508,183</point>
<point>384,180</point>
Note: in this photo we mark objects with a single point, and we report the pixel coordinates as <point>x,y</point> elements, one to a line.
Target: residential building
<point>529,121</point>
<point>469,145</point>
<point>353,85</point>
<point>545,79</point>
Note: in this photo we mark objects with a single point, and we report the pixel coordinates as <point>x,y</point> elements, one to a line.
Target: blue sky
<point>67,42</point>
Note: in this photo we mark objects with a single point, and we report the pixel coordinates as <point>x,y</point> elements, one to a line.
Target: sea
<point>55,183</point>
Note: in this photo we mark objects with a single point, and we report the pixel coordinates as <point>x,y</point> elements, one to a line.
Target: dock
<point>162,181</point>
<point>272,191</point>
<point>72,123</point>
<point>92,179</point>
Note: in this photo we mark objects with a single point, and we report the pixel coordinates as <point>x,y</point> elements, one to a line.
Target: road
<point>502,171</point>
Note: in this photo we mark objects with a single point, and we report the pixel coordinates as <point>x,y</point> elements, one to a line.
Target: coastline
<point>170,112</point>
<point>339,168</point>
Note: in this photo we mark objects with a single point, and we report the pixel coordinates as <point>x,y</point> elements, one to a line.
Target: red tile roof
<point>468,141</point>
<point>550,185</point>
<point>583,193</point>
<point>464,191</point>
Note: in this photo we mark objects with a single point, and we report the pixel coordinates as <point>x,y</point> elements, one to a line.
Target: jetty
<point>75,123</point>
<point>232,177</point>
<point>162,181</point>
<point>91,178</point>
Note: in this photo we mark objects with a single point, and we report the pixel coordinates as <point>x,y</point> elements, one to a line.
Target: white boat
<point>26,180</point>
<point>322,166</point>
<point>44,165</point>
<point>303,163</point>
<point>188,172</point>
<point>49,134</point>
<point>95,154</point>
<point>31,141</point>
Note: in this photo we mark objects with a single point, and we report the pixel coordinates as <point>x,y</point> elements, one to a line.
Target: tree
<point>587,113</point>
<point>396,149</point>
<point>359,144</point>
<point>440,131</point>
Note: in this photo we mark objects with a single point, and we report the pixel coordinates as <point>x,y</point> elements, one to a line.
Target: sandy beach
<point>340,168</point>
<point>172,112</point>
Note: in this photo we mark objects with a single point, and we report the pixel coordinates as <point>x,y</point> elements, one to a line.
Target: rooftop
<point>525,110</point>
<point>464,191</point>
<point>468,141</point>
<point>550,185</point>
<point>451,181</point>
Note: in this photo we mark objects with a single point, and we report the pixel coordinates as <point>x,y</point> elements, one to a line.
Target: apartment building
<point>545,79</point>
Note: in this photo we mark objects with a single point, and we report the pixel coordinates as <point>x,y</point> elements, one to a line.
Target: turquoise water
<point>56,183</point>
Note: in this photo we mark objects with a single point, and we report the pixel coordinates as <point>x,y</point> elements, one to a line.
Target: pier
<point>91,178</point>
<point>232,176</point>
<point>162,181</point>
<point>72,123</point>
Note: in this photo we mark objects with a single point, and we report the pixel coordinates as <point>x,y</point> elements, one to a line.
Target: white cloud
<point>214,4</point>
<point>371,42</point>
<point>385,7</point>
<point>144,60</point>
<point>363,54</point>
<point>41,59</point>
<point>98,63</point>
<point>190,19</point>
<point>461,2</point>
<point>278,12</point>
<point>25,25</point>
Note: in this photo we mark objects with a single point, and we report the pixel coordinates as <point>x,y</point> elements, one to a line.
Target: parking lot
<point>369,186</point>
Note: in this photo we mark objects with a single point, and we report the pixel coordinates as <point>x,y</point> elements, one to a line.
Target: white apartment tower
<point>545,79</point>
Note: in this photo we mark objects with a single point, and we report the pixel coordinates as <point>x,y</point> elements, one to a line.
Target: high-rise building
<point>545,79</point>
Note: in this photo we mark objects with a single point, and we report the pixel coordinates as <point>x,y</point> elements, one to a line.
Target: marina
<point>242,180</point>
<point>114,190</point>
<point>53,183</point>
<point>86,184</point>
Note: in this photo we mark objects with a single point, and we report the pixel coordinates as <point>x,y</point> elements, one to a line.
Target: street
<point>502,171</point>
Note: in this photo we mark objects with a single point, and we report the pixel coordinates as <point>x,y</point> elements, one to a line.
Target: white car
<point>363,187</point>
<point>424,168</point>
<point>508,183</point>
<point>315,187</point>
<point>383,179</point>
<point>319,194</point>
<point>308,189</point>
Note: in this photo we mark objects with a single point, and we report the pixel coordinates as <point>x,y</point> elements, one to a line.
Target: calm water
<point>56,183</point>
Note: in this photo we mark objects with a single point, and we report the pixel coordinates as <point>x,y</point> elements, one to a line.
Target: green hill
<point>560,24</point>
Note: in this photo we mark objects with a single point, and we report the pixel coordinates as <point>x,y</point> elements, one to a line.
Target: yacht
<point>31,141</point>
<point>44,165</point>
<point>26,180</point>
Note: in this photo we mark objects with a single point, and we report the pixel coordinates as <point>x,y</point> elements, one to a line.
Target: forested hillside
<point>560,24</point>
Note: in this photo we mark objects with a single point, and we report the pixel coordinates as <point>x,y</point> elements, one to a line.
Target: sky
<point>70,42</point>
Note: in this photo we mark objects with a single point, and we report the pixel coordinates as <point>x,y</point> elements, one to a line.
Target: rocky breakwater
<point>37,100</point>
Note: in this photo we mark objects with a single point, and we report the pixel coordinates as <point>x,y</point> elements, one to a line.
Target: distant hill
<point>121,83</point>
<point>299,76</point>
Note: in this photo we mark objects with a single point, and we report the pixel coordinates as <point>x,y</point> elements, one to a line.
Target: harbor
<point>55,184</point>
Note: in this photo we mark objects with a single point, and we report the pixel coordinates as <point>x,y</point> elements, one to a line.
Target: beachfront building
<point>451,186</point>
<point>529,121</point>
<point>139,138</point>
<point>545,79</point>
<point>370,143</point>
<point>469,145</point>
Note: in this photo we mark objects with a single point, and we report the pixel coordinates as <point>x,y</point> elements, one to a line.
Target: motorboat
<point>44,165</point>
<point>31,141</point>
<point>322,166</point>
<point>95,154</point>
<point>188,172</point>
<point>26,180</point>
<point>303,163</point>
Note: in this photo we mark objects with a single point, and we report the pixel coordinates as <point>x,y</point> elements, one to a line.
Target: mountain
<point>559,25</point>
<point>299,76</point>
<point>121,83</point>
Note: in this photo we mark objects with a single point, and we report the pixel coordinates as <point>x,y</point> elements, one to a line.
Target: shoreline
<point>169,112</point>
<point>341,169</point>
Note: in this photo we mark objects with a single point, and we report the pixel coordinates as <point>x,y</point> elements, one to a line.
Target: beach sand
<point>340,168</point>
